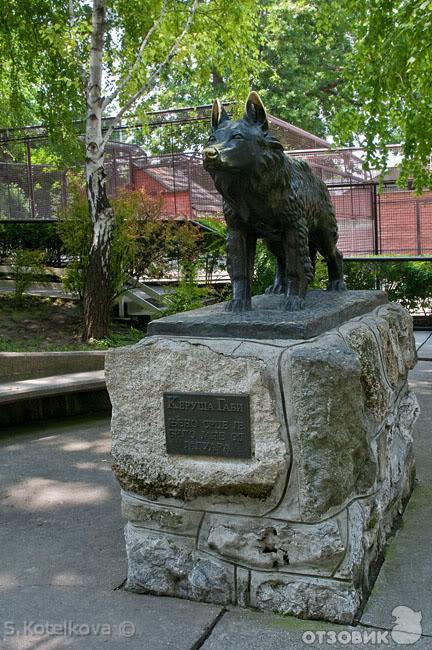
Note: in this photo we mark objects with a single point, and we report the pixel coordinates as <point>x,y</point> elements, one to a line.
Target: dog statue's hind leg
<point>299,271</point>
<point>277,249</point>
<point>334,261</point>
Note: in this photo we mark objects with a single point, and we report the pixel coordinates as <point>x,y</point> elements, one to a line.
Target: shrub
<point>75,231</point>
<point>409,283</point>
<point>14,204</point>
<point>37,235</point>
<point>143,244</point>
<point>27,266</point>
<point>188,294</point>
<point>212,246</point>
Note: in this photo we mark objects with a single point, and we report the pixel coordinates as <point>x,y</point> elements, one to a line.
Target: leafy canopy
<point>388,94</point>
<point>298,69</point>
<point>45,50</point>
<point>301,62</point>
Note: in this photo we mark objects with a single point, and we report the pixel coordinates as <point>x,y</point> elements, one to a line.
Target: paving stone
<point>62,548</point>
<point>421,336</point>
<point>101,619</point>
<point>58,494</point>
<point>239,630</point>
<point>405,578</point>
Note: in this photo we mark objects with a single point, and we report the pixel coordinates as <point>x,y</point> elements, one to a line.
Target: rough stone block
<point>273,544</point>
<point>157,365</point>
<point>300,526</point>
<point>305,597</point>
<point>167,519</point>
<point>328,433</point>
<point>167,566</point>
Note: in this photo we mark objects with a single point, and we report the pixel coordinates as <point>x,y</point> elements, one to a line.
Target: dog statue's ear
<point>255,111</point>
<point>218,115</point>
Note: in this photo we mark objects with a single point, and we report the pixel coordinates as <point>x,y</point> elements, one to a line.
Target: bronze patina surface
<point>270,196</point>
<point>203,424</point>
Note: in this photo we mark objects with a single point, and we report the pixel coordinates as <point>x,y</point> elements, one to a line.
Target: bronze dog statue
<point>269,195</point>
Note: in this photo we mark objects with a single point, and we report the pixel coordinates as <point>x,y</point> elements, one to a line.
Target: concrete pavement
<point>63,561</point>
<point>62,550</point>
<point>424,345</point>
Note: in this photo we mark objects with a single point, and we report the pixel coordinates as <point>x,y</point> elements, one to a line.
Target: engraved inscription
<point>200,424</point>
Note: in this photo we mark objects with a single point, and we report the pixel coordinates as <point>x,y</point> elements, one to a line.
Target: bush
<point>35,236</point>
<point>188,294</point>
<point>14,204</point>
<point>143,244</point>
<point>213,246</point>
<point>408,283</point>
<point>27,266</point>
<point>264,269</point>
<point>75,231</point>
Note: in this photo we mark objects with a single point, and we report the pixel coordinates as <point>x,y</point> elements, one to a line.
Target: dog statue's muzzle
<point>210,154</point>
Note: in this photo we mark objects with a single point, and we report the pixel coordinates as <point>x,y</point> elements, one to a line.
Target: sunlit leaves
<point>302,56</point>
<point>389,89</point>
<point>44,50</point>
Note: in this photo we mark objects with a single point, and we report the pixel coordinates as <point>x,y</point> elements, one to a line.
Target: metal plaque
<point>202,424</point>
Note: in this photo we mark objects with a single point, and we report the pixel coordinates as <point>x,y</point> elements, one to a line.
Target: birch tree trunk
<point>98,293</point>
<point>98,289</point>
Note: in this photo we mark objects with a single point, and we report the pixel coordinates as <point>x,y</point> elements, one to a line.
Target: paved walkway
<point>424,345</point>
<point>62,559</point>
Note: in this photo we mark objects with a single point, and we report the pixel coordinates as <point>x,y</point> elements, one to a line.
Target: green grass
<point>38,344</point>
<point>53,325</point>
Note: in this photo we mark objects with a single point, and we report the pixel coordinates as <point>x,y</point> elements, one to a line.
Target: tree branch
<point>145,88</point>
<point>330,88</point>
<point>72,21</point>
<point>138,58</point>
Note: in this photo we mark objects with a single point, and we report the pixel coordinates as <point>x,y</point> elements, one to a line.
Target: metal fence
<point>390,222</point>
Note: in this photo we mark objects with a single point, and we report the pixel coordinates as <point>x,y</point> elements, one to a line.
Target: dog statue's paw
<point>239,305</point>
<point>275,289</point>
<point>294,303</point>
<point>336,285</point>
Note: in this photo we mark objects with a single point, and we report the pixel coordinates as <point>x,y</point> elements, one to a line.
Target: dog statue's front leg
<point>240,260</point>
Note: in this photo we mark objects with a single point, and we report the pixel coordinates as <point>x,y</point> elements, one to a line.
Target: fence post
<point>64,190</point>
<point>375,219</point>
<point>30,180</point>
<point>189,187</point>
<point>173,171</point>
<point>114,161</point>
<point>131,178</point>
<point>418,228</point>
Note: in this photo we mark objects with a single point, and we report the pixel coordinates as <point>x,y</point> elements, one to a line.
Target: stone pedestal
<point>300,526</point>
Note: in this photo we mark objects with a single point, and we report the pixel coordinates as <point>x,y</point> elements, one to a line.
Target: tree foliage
<point>388,93</point>
<point>45,48</point>
<point>298,69</point>
<point>39,75</point>
<point>94,63</point>
<point>301,63</point>
<point>143,244</point>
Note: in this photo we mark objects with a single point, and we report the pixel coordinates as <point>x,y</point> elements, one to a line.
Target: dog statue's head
<point>240,145</point>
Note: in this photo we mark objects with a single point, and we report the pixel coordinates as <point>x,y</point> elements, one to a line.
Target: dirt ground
<point>47,324</point>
